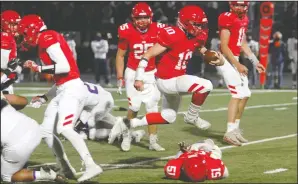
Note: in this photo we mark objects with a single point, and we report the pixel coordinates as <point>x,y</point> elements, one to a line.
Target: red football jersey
<point>237,28</point>
<point>138,43</point>
<point>48,38</point>
<point>215,167</point>
<point>180,49</point>
<point>8,43</point>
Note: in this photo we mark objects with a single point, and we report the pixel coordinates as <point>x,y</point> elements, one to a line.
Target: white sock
<point>79,144</point>
<point>135,122</point>
<point>237,122</point>
<point>231,126</point>
<point>36,175</point>
<point>193,111</point>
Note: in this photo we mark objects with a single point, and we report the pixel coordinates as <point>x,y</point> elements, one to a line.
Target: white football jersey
<point>95,96</point>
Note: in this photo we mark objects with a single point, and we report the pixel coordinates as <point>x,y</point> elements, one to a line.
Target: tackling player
<point>177,43</point>
<point>70,90</point>
<point>136,38</point>
<point>233,27</point>
<point>198,162</point>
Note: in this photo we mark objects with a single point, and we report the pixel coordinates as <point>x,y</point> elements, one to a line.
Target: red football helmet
<point>29,28</point>
<point>9,21</point>
<point>142,16</point>
<point>239,7</point>
<point>192,19</point>
<point>195,169</point>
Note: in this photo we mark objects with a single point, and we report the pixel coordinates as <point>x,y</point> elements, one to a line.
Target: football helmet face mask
<point>195,169</point>
<point>239,7</point>
<point>9,22</point>
<point>29,28</point>
<point>192,19</point>
<point>142,16</point>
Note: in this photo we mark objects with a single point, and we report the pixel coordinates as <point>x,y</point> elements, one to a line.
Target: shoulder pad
<point>167,36</point>
<point>48,38</point>
<point>225,20</point>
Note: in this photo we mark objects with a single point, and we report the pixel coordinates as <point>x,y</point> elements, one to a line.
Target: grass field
<point>268,115</point>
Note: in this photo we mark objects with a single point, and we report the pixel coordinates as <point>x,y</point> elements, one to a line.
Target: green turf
<point>246,164</point>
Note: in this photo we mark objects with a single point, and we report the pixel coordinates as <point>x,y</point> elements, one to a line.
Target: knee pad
<point>208,86</point>
<point>169,115</point>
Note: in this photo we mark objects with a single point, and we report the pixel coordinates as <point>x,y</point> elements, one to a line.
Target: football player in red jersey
<point>177,43</point>
<point>69,88</point>
<point>136,38</point>
<point>198,162</point>
<point>9,24</point>
<point>233,27</point>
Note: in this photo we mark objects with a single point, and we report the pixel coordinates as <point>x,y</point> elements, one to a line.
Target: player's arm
<point>154,51</point>
<point>251,56</point>
<point>60,66</point>
<point>120,62</point>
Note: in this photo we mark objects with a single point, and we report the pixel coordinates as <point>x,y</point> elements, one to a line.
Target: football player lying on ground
<point>198,162</point>
<point>100,129</point>
<point>20,135</point>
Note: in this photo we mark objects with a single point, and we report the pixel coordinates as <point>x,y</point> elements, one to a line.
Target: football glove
<point>37,101</point>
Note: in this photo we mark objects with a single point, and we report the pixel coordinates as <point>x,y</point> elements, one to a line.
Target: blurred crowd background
<point>83,22</point>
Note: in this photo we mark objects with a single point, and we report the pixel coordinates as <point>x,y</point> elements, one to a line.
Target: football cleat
<point>91,172</point>
<point>198,122</point>
<point>240,137</point>
<point>126,142</point>
<point>119,127</point>
<point>231,138</point>
<point>153,143</point>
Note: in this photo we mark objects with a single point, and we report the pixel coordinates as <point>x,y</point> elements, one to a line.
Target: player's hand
<point>183,146</point>
<point>120,85</point>
<point>220,61</point>
<point>32,65</point>
<point>260,68</point>
<point>13,64</point>
<point>139,85</point>
<point>37,101</point>
<point>242,69</point>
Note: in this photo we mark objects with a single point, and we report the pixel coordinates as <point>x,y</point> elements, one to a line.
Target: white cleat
<point>198,122</point>
<point>118,128</point>
<point>138,135</point>
<point>153,143</point>
<point>126,142</point>
<point>91,172</point>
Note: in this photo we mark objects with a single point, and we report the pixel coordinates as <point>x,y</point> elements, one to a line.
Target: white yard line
<point>275,171</point>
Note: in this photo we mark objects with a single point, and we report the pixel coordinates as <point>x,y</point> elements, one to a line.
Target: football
<point>209,56</point>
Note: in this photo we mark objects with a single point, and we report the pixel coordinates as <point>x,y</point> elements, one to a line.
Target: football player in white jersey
<point>20,135</point>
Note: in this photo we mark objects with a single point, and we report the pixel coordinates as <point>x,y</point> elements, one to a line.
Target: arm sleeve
<point>4,58</point>
<point>61,63</point>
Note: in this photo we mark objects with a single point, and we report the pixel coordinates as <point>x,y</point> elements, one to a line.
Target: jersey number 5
<point>171,170</point>
<point>140,49</point>
<point>183,58</point>
<point>241,36</point>
<point>215,173</point>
